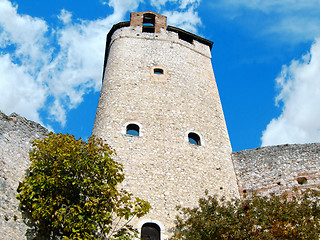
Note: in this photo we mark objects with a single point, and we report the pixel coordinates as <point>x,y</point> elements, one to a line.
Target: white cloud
<point>65,16</point>
<point>185,3</point>
<point>299,121</point>
<point>291,20</point>
<point>103,2</point>
<point>182,4</point>
<point>19,91</point>
<point>160,3</point>
<point>270,5</point>
<point>25,33</point>
<point>121,7</point>
<point>188,20</point>
<point>296,29</point>
<point>36,75</point>
<point>76,70</point>
<point>185,16</point>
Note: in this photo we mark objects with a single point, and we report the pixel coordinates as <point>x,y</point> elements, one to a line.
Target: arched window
<point>150,231</point>
<point>148,22</point>
<point>194,138</point>
<point>133,129</point>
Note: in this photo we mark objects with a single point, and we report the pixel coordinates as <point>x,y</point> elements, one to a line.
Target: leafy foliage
<point>272,217</point>
<point>71,191</point>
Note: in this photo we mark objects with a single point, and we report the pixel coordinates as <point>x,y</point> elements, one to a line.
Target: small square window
<point>158,71</point>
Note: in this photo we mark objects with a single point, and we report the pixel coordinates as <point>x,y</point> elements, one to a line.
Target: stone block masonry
<point>16,135</point>
<point>159,108</point>
<point>278,169</point>
<point>265,170</point>
<point>163,83</point>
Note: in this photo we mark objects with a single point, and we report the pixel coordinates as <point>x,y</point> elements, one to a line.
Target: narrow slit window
<point>194,139</point>
<point>158,71</point>
<point>148,23</point>
<point>133,130</point>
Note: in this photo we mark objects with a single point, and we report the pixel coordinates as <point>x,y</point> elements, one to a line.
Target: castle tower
<point>160,109</point>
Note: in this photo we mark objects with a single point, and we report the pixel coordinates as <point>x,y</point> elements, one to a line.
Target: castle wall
<point>266,170</point>
<point>160,165</point>
<point>277,169</point>
<point>16,135</point>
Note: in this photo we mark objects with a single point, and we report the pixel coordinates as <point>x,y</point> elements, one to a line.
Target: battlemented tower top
<point>151,22</point>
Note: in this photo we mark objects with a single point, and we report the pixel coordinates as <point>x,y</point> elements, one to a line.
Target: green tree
<point>271,217</point>
<point>71,191</point>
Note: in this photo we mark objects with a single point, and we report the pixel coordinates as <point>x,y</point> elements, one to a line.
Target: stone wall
<point>277,169</point>
<point>16,134</point>
<point>265,170</point>
<point>162,81</point>
<point>161,166</point>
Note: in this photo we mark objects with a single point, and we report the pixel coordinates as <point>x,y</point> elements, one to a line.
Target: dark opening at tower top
<point>148,23</point>
<point>185,37</point>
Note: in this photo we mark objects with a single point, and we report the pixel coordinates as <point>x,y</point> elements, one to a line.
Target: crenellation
<point>163,36</point>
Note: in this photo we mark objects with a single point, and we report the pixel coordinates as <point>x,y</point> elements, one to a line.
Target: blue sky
<point>266,59</point>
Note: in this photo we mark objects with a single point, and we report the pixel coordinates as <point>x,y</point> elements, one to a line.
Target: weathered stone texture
<point>16,134</point>
<point>278,169</point>
<point>161,166</point>
<point>268,169</point>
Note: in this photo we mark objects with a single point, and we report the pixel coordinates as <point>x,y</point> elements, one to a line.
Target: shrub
<point>257,217</point>
<point>71,191</point>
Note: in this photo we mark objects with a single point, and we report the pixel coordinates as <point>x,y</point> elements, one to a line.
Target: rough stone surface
<point>161,166</point>
<point>277,169</point>
<point>265,170</point>
<point>16,134</point>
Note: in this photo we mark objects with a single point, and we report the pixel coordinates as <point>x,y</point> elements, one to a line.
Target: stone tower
<point>160,109</point>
